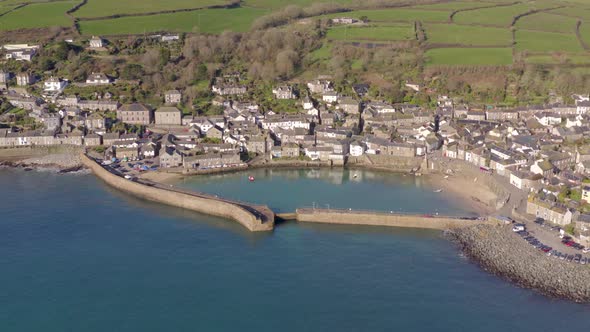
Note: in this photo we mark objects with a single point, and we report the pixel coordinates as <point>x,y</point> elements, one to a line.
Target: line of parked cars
<point>520,229</point>
<point>566,240</point>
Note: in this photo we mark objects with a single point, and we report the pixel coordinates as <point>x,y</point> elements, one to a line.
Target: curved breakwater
<point>487,242</point>
<point>244,212</point>
<point>254,218</point>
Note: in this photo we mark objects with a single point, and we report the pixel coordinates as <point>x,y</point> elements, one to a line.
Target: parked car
<point>518,228</point>
<point>583,261</point>
<point>577,258</point>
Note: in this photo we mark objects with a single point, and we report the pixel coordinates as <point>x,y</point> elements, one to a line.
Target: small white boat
<point>438,190</point>
<point>446,176</point>
<point>355,175</point>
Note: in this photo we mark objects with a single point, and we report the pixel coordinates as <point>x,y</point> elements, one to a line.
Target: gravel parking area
<point>549,237</point>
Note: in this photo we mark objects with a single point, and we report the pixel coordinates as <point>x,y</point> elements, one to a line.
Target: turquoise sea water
<point>284,190</point>
<point>76,255</point>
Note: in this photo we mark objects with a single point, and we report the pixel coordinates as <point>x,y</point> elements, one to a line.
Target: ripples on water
<point>77,255</point>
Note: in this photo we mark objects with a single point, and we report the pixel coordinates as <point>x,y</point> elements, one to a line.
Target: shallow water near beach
<point>285,190</point>
<point>77,255</point>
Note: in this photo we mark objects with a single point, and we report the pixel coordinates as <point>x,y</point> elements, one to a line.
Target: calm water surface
<point>285,190</point>
<point>76,255</point>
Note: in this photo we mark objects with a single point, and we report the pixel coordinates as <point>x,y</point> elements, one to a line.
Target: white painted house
<point>96,42</point>
<point>307,103</point>
<point>548,118</point>
<point>54,84</point>
<point>98,79</point>
<point>357,149</point>
<point>330,97</point>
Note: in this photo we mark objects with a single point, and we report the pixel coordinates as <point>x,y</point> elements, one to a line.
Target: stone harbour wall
<point>382,219</point>
<point>35,151</point>
<point>206,205</point>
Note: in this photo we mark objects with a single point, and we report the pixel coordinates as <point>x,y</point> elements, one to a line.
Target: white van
<point>518,228</point>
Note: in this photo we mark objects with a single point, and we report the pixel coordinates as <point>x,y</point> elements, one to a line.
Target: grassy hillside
<point>100,8</point>
<point>372,33</point>
<point>456,5</point>
<point>204,21</point>
<point>467,35</point>
<point>497,16</point>
<point>548,22</point>
<point>397,15</point>
<point>38,15</point>
<point>469,56</point>
<point>448,32</point>
<point>540,41</point>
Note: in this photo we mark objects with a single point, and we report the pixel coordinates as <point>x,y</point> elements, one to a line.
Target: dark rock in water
<point>71,169</point>
<point>8,164</point>
<point>500,251</point>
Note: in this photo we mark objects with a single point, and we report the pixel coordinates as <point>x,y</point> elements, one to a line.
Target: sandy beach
<point>161,177</point>
<point>468,192</point>
<point>467,188</point>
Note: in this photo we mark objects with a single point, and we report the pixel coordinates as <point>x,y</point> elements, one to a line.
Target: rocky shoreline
<point>501,252</point>
<point>61,163</point>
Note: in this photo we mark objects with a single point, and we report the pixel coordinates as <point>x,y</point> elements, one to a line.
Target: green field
<point>379,33</point>
<point>6,9</point>
<point>538,41</point>
<point>322,53</point>
<point>39,15</point>
<point>576,59</point>
<point>100,8</point>
<point>397,15</point>
<point>278,4</point>
<point>498,16</point>
<point>451,6</point>
<point>548,22</point>
<point>206,21</point>
<point>578,11</point>
<point>12,3</point>
<point>469,56</point>
<point>585,32</point>
<point>467,35</point>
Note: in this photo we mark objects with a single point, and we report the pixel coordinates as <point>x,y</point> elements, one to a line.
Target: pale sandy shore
<point>162,177</point>
<point>468,190</point>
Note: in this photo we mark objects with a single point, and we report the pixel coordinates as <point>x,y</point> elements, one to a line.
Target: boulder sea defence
<point>500,251</point>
